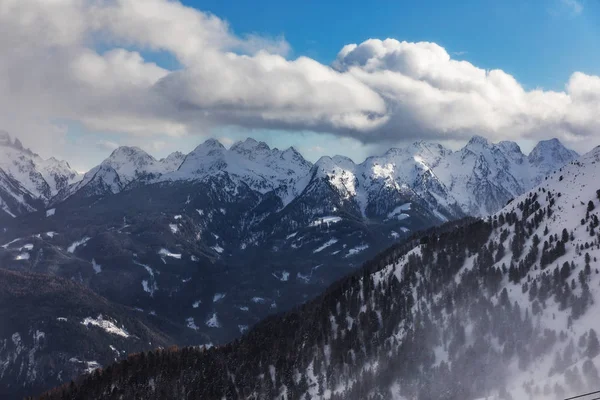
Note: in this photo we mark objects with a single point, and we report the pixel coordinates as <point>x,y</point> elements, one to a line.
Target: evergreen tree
<point>593,346</point>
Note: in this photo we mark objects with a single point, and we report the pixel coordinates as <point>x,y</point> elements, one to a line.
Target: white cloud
<point>106,145</point>
<point>376,91</point>
<point>429,94</point>
<point>574,6</point>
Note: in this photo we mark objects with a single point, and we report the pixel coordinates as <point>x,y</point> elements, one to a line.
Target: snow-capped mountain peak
<point>208,145</point>
<point>551,151</point>
<point>173,161</point>
<point>131,163</point>
<point>250,147</point>
<point>29,181</point>
<point>478,141</point>
<point>477,180</point>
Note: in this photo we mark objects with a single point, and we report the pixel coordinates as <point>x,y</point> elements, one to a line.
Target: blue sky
<point>106,91</point>
<point>540,42</point>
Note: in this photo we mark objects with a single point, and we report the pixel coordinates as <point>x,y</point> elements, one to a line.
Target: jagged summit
<point>478,179</point>
<point>510,147</point>
<point>477,141</point>
<point>250,145</point>
<point>550,151</point>
<point>28,182</point>
<point>209,144</point>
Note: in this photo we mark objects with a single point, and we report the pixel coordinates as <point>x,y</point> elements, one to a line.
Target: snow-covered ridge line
<point>475,180</point>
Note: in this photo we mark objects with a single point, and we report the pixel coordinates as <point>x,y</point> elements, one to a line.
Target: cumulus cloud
<point>378,90</point>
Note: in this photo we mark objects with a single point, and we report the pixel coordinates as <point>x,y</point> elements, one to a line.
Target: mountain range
<point>476,179</point>
<point>198,248</point>
<point>502,307</point>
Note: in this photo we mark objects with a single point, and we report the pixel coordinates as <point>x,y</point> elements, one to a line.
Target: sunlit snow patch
<point>97,267</point>
<point>167,253</point>
<point>218,249</point>
<point>177,217</point>
<point>213,322</point>
<point>191,323</point>
<point>356,250</point>
<point>325,245</point>
<point>149,288</point>
<point>74,245</point>
<point>283,277</point>
<point>22,256</point>
<point>5,246</point>
<point>174,228</point>
<point>50,212</point>
<point>197,303</point>
<point>106,325</point>
<point>90,366</point>
<point>218,296</point>
<point>330,219</point>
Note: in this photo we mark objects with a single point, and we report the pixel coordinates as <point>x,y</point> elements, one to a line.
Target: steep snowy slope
<point>263,169</point>
<point>28,181</point>
<point>546,156</point>
<point>123,167</point>
<point>500,308</point>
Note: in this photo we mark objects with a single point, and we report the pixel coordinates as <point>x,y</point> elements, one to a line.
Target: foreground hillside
<point>500,308</point>
<point>54,330</point>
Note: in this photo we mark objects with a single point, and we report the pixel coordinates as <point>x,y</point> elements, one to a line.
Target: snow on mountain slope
<point>263,169</point>
<point>28,181</point>
<point>561,216</point>
<point>124,166</point>
<point>173,161</point>
<point>546,156</point>
<point>504,307</point>
<point>477,180</point>
<point>483,176</point>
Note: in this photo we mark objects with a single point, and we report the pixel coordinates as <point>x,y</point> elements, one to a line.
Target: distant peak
<point>5,138</point>
<point>551,151</point>
<point>7,141</point>
<point>510,146</point>
<point>550,144</point>
<point>554,142</point>
<point>250,145</point>
<point>212,143</point>
<point>176,154</point>
<point>209,144</point>
<point>292,149</point>
<point>478,140</point>
<point>127,151</point>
